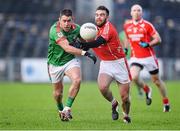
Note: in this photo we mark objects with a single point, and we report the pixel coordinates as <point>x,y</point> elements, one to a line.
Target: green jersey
<point>56,54</point>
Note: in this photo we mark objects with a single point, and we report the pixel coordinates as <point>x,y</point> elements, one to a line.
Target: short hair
<point>136,5</point>
<point>66,12</point>
<point>103,8</point>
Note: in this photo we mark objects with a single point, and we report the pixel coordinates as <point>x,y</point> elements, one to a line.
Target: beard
<point>101,24</point>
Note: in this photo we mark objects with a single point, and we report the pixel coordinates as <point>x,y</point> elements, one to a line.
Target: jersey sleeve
<point>56,36</point>
<point>151,29</point>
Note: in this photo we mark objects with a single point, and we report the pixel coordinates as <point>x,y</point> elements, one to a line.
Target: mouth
<point>98,21</point>
<point>66,28</point>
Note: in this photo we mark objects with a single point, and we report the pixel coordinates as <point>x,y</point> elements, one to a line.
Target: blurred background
<point>25,24</point>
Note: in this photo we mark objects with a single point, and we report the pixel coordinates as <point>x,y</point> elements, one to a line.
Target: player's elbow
<point>159,40</point>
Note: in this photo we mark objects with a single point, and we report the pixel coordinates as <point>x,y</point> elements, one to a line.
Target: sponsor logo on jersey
<point>136,37</point>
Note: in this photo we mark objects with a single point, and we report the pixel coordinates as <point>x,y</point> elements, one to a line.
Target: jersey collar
<point>139,22</point>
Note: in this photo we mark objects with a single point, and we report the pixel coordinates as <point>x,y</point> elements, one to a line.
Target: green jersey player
<point>62,61</point>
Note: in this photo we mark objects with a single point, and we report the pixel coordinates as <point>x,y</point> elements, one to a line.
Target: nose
<point>66,23</point>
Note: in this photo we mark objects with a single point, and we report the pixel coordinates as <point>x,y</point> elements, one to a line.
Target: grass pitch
<point>31,106</point>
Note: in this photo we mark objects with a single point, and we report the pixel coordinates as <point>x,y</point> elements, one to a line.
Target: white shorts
<point>117,69</point>
<point>56,73</point>
<point>150,63</point>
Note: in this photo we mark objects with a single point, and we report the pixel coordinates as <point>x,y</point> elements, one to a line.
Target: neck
<point>137,20</point>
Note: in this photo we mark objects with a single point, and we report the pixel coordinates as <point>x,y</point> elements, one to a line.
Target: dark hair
<point>66,12</point>
<point>103,8</point>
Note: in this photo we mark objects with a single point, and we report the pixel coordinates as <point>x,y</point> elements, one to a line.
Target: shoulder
<point>147,23</point>
<point>110,26</point>
<point>75,26</point>
<point>53,27</point>
<point>128,23</point>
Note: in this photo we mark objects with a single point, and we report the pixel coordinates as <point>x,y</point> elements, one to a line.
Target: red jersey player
<point>113,65</point>
<point>142,36</point>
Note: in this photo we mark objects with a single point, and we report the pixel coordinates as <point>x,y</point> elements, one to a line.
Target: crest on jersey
<point>59,34</point>
<point>141,30</point>
<point>129,30</point>
<point>142,25</point>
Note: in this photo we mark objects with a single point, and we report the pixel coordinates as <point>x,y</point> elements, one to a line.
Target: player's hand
<point>144,44</point>
<point>126,51</point>
<point>76,44</point>
<point>91,56</point>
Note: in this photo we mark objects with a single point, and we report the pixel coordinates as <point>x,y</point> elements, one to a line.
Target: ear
<point>73,18</point>
<point>131,13</point>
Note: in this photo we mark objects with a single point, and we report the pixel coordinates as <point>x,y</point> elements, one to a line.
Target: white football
<point>88,31</point>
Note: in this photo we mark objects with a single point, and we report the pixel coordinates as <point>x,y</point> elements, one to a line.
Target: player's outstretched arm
<point>91,56</point>
<point>76,44</point>
<point>93,44</point>
<point>72,50</point>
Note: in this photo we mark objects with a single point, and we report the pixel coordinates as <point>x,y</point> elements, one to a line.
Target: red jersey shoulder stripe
<point>151,26</point>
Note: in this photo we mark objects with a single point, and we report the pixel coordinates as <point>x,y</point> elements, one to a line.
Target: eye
<point>102,14</point>
<point>69,20</point>
<point>96,15</point>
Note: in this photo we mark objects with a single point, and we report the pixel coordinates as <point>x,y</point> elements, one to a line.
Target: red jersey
<point>112,50</point>
<point>140,32</point>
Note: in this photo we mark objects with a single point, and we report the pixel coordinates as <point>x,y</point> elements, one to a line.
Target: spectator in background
<point>142,36</point>
<point>62,61</point>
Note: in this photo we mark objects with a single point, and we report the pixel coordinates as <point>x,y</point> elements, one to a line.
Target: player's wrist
<point>126,51</point>
<point>83,52</point>
<point>144,44</point>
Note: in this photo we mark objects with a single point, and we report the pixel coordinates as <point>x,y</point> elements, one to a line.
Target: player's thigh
<point>135,71</point>
<point>155,78</point>
<point>56,73</point>
<point>73,70</point>
<point>104,80</point>
<point>74,73</point>
<point>151,65</point>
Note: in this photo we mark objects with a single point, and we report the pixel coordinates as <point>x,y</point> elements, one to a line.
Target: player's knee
<point>103,88</point>
<point>135,77</point>
<point>157,82</point>
<point>76,81</point>
<point>125,97</point>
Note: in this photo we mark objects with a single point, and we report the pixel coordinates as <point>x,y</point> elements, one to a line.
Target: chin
<point>66,30</point>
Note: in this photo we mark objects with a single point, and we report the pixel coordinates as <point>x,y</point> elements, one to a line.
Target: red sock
<point>165,101</point>
<point>146,88</point>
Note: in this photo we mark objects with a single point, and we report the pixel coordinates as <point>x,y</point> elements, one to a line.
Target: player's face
<point>66,22</point>
<point>100,17</point>
<point>136,12</point>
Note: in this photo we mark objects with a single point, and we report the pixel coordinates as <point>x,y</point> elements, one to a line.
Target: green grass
<point>31,106</point>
